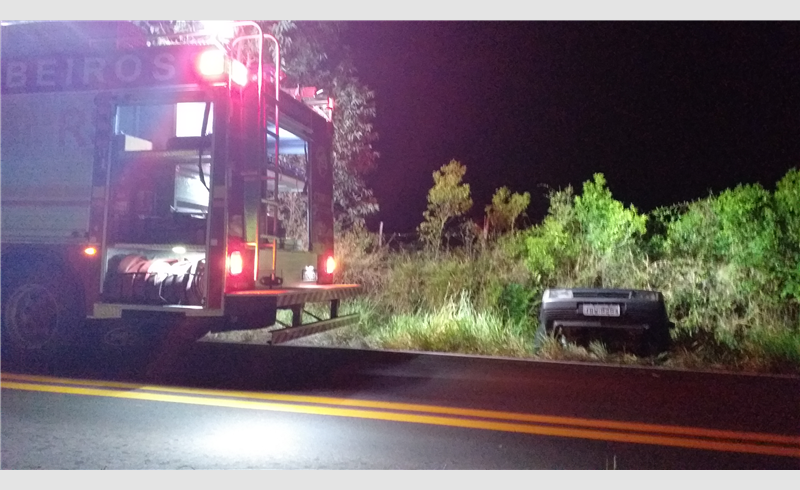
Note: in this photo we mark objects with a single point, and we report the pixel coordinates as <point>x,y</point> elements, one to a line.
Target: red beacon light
<point>211,63</point>
<point>235,263</point>
<point>214,64</point>
<point>330,265</point>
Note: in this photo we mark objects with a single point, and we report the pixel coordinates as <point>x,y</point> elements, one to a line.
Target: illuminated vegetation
<point>728,265</point>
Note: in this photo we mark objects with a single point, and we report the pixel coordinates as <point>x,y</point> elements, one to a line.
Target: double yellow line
<point>546,425</point>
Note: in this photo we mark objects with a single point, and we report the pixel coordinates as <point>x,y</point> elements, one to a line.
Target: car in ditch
<point>632,320</point>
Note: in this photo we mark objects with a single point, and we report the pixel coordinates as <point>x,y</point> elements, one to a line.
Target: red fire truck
<point>155,182</point>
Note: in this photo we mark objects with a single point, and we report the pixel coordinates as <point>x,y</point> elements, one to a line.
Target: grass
<point>763,341</point>
<point>728,266</point>
<point>454,327</point>
<point>484,301</point>
<point>458,327</point>
<point>773,352</point>
<point>596,351</point>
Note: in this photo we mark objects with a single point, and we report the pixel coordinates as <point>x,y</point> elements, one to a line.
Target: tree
<point>448,198</point>
<point>505,209</point>
<point>164,31</point>
<point>353,155</point>
<point>313,55</point>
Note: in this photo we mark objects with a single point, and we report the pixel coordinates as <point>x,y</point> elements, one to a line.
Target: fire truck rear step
<point>292,333</point>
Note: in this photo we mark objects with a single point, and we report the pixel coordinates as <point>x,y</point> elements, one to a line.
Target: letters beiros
<point>88,72</point>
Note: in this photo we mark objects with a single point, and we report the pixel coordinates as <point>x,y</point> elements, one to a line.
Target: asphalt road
<point>244,406</point>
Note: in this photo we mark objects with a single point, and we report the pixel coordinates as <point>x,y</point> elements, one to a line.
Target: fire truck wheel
<point>40,311</point>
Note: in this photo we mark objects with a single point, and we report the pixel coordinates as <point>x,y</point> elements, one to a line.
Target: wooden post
<point>380,235</point>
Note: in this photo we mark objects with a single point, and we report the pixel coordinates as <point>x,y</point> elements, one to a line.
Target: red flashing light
<point>330,265</point>
<point>235,263</point>
<point>90,251</point>
<point>211,63</point>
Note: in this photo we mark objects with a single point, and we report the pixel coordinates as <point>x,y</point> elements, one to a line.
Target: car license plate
<point>601,310</point>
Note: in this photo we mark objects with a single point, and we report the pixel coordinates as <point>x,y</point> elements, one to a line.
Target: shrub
<point>360,260</point>
<point>787,205</point>
<point>728,265</point>
<point>514,302</point>
<point>605,224</point>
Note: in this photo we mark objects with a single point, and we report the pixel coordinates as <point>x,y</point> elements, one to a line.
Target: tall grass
<point>455,326</point>
<point>728,265</point>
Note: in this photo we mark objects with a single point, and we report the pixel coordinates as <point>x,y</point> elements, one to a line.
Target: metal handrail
<point>260,77</point>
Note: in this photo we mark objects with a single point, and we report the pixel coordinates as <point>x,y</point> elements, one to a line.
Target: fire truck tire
<point>40,310</point>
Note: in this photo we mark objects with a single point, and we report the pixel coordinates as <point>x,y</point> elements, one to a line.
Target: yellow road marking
<point>261,401</point>
<point>433,409</point>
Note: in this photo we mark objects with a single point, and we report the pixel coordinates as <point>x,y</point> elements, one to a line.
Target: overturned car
<point>628,319</point>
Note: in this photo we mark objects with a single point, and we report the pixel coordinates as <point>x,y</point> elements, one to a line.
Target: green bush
<point>787,205</point>
<point>360,259</point>
<point>722,263</point>
<point>591,240</point>
<point>514,302</point>
<point>728,265</point>
<point>605,225</point>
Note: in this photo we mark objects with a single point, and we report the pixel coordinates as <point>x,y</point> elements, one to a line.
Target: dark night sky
<point>666,110</point>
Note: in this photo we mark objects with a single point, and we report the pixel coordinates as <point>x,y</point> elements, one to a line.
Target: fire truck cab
<point>149,181</point>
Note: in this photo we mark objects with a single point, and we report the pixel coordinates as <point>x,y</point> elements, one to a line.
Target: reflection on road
<point>582,428</point>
